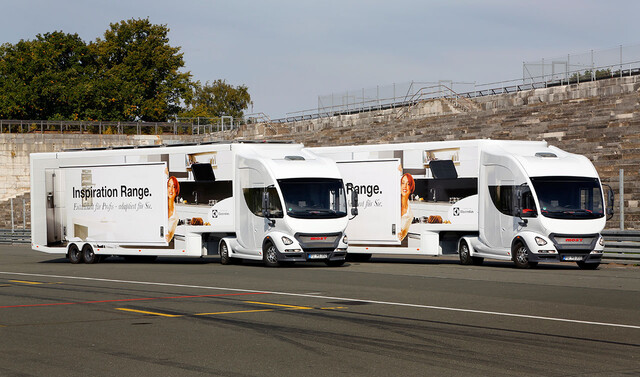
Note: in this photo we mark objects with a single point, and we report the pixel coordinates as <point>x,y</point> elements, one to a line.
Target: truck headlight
<point>286,240</point>
<point>540,241</point>
<point>345,240</point>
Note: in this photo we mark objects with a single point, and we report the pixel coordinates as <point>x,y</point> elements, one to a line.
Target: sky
<point>289,52</point>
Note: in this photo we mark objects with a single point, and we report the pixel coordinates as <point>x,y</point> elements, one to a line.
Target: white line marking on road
<point>332,298</point>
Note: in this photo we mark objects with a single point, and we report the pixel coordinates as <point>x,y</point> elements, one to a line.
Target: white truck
<point>275,202</point>
<point>523,201</point>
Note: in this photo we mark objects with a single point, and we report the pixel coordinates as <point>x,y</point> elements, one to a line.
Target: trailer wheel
<point>88,255</point>
<point>588,266</point>
<point>464,253</point>
<point>270,255</point>
<point>521,257</point>
<point>224,253</point>
<point>74,254</point>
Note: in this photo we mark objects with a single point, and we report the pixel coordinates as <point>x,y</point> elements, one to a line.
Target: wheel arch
<point>515,242</point>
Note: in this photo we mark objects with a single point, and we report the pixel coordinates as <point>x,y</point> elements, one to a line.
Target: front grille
<point>574,242</point>
<point>318,242</point>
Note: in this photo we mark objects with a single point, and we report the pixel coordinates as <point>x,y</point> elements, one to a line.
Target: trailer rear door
<point>123,204</point>
<point>378,186</point>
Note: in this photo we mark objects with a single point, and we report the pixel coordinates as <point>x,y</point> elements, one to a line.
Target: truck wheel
<point>465,254</point>
<point>74,254</point>
<point>334,263</point>
<point>224,253</point>
<point>521,257</point>
<point>588,266</point>
<point>270,255</point>
<point>88,255</point>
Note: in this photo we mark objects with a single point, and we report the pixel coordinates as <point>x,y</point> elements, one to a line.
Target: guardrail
<point>621,246</point>
<point>8,236</point>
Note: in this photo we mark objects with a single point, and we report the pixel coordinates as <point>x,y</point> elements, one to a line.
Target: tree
<point>131,73</point>
<point>216,100</point>
<point>139,72</point>
<point>46,78</point>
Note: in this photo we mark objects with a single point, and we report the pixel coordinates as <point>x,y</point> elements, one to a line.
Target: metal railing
<point>622,246</point>
<point>353,104</point>
<point>561,67</point>
<point>191,126</point>
<point>8,236</point>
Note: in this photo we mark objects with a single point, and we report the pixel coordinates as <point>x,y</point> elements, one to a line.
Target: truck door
<point>498,217</point>
<point>253,224</point>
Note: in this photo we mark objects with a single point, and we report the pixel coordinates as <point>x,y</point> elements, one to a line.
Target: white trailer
<point>523,201</point>
<point>275,202</point>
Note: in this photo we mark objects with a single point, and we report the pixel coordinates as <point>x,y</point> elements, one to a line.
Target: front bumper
<point>563,248</point>
<point>312,256</point>
<point>586,257</point>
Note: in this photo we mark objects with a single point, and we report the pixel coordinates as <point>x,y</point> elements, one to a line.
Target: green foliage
<point>140,72</point>
<point>47,76</point>
<point>217,99</point>
<point>131,73</point>
<point>586,76</point>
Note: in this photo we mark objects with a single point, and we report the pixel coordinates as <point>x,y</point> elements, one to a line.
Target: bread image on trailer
<point>274,202</point>
<point>524,201</point>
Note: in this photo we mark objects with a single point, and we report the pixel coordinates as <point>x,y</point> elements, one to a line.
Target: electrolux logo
<point>457,211</point>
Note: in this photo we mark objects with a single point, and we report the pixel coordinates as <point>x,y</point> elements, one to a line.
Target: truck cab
<point>291,207</point>
<point>540,204</point>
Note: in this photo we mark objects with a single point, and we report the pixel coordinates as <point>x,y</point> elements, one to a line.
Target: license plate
<point>318,256</point>
<point>572,257</point>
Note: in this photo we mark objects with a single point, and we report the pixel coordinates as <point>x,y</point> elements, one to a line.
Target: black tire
<point>521,256</point>
<point>270,255</point>
<point>358,257</point>
<point>74,254</point>
<point>224,253</point>
<point>465,254</point>
<point>88,255</point>
<point>334,263</point>
<point>588,266</point>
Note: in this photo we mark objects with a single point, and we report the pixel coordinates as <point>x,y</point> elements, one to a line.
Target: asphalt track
<point>391,316</point>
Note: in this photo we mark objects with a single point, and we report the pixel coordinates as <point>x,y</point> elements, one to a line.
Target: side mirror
<point>354,203</point>
<point>610,201</point>
<point>265,203</point>
<point>517,205</point>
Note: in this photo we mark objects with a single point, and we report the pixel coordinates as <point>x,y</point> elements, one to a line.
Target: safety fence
<point>408,94</point>
<point>191,126</point>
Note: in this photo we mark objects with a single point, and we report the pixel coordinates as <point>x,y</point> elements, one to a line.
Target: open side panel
<point>54,181</point>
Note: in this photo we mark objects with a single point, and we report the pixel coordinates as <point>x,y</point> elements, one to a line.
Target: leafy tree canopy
<point>217,99</point>
<point>131,73</point>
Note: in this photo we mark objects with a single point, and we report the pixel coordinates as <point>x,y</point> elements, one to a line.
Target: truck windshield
<point>569,197</point>
<point>306,198</point>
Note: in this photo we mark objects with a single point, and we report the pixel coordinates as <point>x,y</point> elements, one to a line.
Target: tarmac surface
<point>407,316</point>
